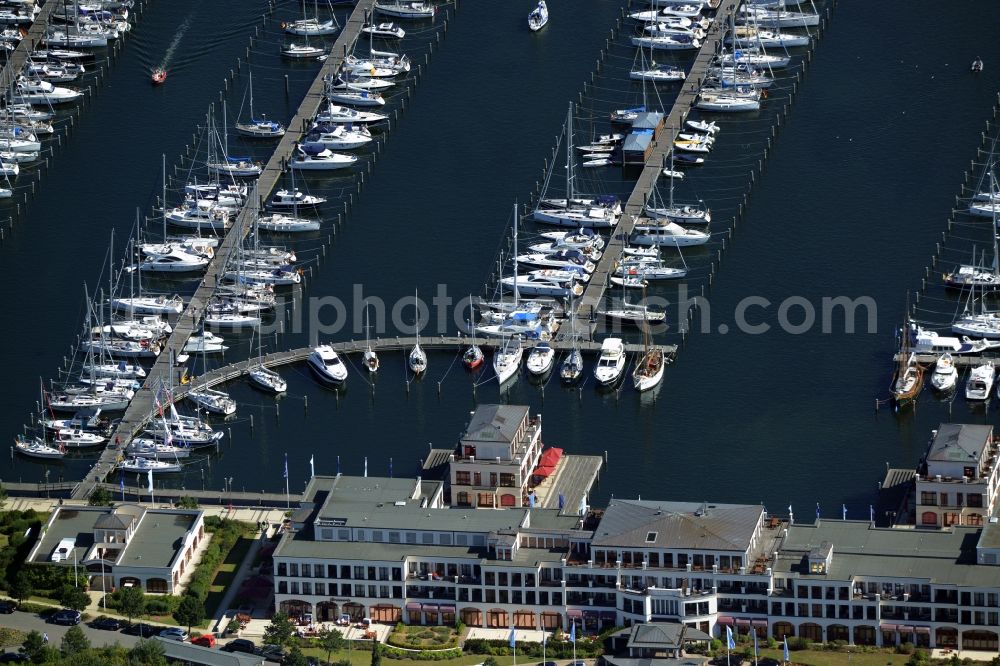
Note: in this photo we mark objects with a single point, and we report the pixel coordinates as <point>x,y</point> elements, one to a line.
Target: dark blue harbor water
<point>854,195</point>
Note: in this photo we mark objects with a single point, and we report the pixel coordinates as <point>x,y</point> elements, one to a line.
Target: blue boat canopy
<point>236,160</point>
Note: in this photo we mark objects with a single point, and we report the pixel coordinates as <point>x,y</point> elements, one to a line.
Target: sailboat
<point>685,214</point>
<point>370,358</point>
<point>263,377</point>
<point>538,17</point>
<point>212,401</point>
<point>974,276</point>
<point>417,359</point>
<point>572,365</point>
<point>631,313</point>
<point>236,167</point>
<point>649,370</point>
<point>909,376</point>
<point>571,214</point>
<point>473,356</point>
<point>311,26</point>
<point>507,359</point>
<point>259,128</point>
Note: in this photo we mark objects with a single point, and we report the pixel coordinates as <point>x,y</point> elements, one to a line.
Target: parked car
<point>13,658</point>
<point>273,653</point>
<point>174,634</point>
<point>240,645</point>
<point>8,607</point>
<point>66,616</point>
<point>107,623</point>
<point>204,640</point>
<point>141,629</point>
<point>546,663</point>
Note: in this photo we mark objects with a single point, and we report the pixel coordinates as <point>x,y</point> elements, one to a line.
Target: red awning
<point>905,629</point>
<point>572,612</point>
<point>724,620</point>
<point>543,471</point>
<point>888,627</point>
<point>550,456</point>
<point>923,630</point>
<point>446,609</point>
<point>413,605</point>
<point>742,622</point>
<point>430,608</point>
<point>759,623</point>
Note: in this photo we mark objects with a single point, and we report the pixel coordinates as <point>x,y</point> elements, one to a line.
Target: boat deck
<point>673,123</point>
<point>142,404</point>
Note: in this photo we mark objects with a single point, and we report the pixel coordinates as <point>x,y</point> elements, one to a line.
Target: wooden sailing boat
<point>648,371</point>
<point>908,378</point>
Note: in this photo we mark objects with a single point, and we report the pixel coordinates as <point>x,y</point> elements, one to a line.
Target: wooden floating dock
<point>593,294</point>
<point>19,56</point>
<point>142,404</point>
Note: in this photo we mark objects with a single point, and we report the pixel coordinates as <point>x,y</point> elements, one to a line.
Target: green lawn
<point>226,573</point>
<point>364,658</point>
<point>824,658</point>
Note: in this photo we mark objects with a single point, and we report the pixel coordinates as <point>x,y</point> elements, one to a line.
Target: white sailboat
<point>649,369</point>
<point>212,401</point>
<point>370,358</point>
<point>507,359</point>
<point>259,128</point>
<point>264,377</point>
<point>417,360</point>
<point>539,16</point>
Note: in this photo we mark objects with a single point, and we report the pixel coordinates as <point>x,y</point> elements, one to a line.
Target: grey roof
<point>495,423</point>
<point>301,545</point>
<point>937,556</point>
<point>897,486</point>
<point>436,463</point>
<point>158,539</point>
<point>680,661</point>
<point>721,527</point>
<point>637,142</point>
<point>111,521</point>
<point>196,654</point>
<point>647,120</point>
<point>663,635</point>
<point>350,491</point>
<point>959,442</point>
<point>388,516</point>
<point>66,522</point>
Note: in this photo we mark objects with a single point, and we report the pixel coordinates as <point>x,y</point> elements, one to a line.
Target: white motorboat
<point>205,342</point>
<point>588,251</point>
<point>405,10</point>
<point>364,98</point>
<point>507,359</point>
<point>212,401</point>
<point>203,215</point>
<point>384,31</point>
<point>945,375</point>
<point>930,342</point>
<point>284,224</point>
<point>339,137</point>
<point>146,447</point>
<point>295,199</point>
<point>17,152</point>
<point>754,58</point>
<point>541,359</point>
<point>702,126</point>
<point>556,284</point>
<point>580,240</point>
<point>322,160</point>
<point>593,217</point>
<point>150,304</point>
<point>344,114</point>
<point>777,17</point>
<point>327,365</point>
<point>237,167</point>
<point>566,260</point>
<point>633,281</point>
<point>668,234</point>
<point>538,17</point>
<point>611,362</point>
<point>35,448</point>
<point>77,438</point>
<point>148,465</point>
<point>44,93</point>
<point>673,173</point>
<point>982,325</point>
<point>302,51</point>
<point>980,382</point>
<point>170,258</point>
<point>667,42</point>
<point>267,379</point>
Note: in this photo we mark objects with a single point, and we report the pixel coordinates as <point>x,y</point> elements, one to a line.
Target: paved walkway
<point>222,613</point>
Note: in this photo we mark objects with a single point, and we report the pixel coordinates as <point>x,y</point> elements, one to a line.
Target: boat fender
<point>763,93</point>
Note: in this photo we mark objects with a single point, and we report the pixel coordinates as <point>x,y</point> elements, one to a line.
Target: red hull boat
<point>159,76</point>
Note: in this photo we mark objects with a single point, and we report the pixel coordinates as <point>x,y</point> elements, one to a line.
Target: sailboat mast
<point>516,295</point>
<point>164,202</point>
<point>251,95</point>
<point>993,207</point>
<point>111,273</point>
<point>569,155</point>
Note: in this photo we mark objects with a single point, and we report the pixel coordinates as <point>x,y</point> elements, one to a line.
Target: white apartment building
<point>956,482</point>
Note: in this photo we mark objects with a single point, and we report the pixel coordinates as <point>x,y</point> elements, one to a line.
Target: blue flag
<point>562,500</point>
<point>843,510</point>
<point>572,632</point>
<point>531,500</point>
<point>817,510</point>
<point>730,643</point>
<point>286,466</point>
<point>121,484</point>
<point>513,637</point>
<point>785,641</point>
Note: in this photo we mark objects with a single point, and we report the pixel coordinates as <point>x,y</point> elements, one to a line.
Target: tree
<point>34,647</point>
<point>20,589</point>
<point>295,658</point>
<point>187,503</point>
<point>100,497</point>
<point>189,612</point>
<point>3,497</point>
<point>491,661</point>
<point>147,653</point>
<point>74,597</point>
<point>280,631</point>
<point>132,602</point>
<point>330,640</point>
<point>376,653</point>
<point>74,641</point>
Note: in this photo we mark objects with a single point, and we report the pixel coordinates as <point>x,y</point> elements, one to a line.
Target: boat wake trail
<point>175,42</point>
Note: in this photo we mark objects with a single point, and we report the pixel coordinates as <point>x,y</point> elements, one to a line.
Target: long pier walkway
<point>674,122</point>
<point>142,404</point>
<point>19,56</point>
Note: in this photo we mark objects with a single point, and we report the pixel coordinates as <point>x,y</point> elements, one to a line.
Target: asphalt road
<point>29,621</point>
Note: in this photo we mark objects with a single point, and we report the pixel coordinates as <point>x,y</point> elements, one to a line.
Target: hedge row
<point>225,534</point>
<point>554,649</point>
<point>422,655</point>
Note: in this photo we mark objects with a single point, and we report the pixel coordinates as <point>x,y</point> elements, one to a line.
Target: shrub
<point>796,643</point>
<point>422,655</point>
<point>905,648</point>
